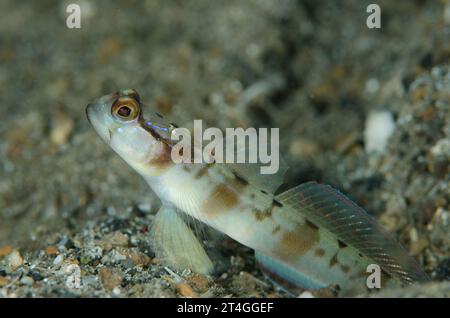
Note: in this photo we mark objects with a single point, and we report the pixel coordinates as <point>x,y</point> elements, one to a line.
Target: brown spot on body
<point>345,268</point>
<point>261,215</point>
<point>333,260</point>
<point>320,252</point>
<point>299,241</point>
<point>342,244</point>
<point>202,171</point>
<point>163,159</point>
<point>221,199</point>
<point>276,229</point>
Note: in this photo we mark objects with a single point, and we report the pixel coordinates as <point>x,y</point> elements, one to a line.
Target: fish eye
<point>125,109</point>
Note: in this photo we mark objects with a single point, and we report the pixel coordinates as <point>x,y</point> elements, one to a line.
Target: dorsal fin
<point>251,172</point>
<point>330,209</point>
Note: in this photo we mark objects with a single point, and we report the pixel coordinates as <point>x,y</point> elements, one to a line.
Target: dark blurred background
<point>311,68</point>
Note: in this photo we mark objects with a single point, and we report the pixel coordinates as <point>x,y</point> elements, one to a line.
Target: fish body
<point>310,236</point>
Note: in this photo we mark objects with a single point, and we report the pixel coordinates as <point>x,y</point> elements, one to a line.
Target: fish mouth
<point>87,111</point>
<point>98,115</point>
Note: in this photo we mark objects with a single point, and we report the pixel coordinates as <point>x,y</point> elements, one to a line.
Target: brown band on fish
<point>344,268</point>
<point>261,215</point>
<point>276,229</point>
<point>333,260</point>
<point>319,252</point>
<point>202,171</point>
<point>298,242</point>
<point>162,160</point>
<point>342,244</point>
<point>221,200</point>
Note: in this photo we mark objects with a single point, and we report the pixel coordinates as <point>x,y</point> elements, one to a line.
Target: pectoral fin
<point>175,243</point>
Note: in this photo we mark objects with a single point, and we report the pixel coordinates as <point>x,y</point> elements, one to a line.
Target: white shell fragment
<point>379,127</point>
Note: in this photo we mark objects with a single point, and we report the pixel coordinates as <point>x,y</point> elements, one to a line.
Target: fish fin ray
<point>175,243</point>
<point>332,210</point>
<point>252,171</point>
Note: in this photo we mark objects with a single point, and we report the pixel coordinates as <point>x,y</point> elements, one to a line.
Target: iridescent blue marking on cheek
<point>149,123</point>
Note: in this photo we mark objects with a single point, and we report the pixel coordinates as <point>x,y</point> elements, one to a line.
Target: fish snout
<point>99,116</point>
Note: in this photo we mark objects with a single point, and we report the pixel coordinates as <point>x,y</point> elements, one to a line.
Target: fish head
<point>118,120</point>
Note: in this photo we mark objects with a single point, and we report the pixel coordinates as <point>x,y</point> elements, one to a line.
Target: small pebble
<point>3,281</point>
<point>114,239</point>
<point>145,207</point>
<point>200,282</point>
<point>62,129</point>
<point>51,250</point>
<point>14,260</point>
<point>109,279</point>
<point>439,158</point>
<point>306,294</point>
<point>186,291</point>
<point>5,250</point>
<point>91,253</point>
<point>139,258</point>
<point>58,260</point>
<point>27,280</point>
<point>372,86</point>
<point>116,291</point>
<point>116,257</point>
<point>379,127</point>
<point>90,280</point>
